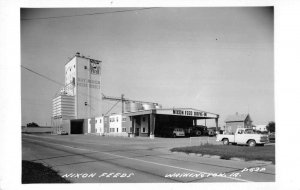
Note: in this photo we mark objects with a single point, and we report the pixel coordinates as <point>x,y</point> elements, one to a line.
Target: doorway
<point>77,126</point>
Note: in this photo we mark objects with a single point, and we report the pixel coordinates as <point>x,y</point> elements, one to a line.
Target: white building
<point>262,128</point>
<point>99,125</point>
<point>80,98</point>
<point>118,125</point>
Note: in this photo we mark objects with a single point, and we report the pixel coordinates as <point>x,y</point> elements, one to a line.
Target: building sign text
<point>88,83</point>
<point>189,113</point>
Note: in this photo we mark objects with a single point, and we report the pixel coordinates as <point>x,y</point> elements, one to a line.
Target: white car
<point>178,132</point>
<point>62,132</point>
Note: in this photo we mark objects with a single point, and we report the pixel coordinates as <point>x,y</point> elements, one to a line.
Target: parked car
<point>272,137</point>
<point>211,132</point>
<point>171,132</point>
<point>194,131</point>
<point>243,136</point>
<point>203,129</point>
<point>178,132</point>
<point>63,133</point>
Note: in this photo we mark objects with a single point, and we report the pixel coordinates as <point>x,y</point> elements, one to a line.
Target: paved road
<point>95,159</point>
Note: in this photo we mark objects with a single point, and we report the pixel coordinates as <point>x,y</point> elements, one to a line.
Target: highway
<point>97,159</point>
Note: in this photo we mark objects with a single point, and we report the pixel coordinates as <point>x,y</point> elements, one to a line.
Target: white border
<point>287,91</point>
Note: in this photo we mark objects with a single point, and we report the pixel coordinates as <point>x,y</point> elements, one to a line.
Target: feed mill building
<point>77,107</point>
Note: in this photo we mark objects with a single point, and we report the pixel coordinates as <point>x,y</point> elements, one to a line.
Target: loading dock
<point>77,126</point>
<point>159,119</point>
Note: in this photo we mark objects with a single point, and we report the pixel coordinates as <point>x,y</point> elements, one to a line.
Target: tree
<point>271,126</point>
<point>32,124</point>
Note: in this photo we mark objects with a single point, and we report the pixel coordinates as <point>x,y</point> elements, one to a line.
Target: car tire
<point>251,143</point>
<point>174,135</point>
<point>225,142</point>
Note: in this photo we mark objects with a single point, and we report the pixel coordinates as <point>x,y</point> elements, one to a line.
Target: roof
<point>186,109</point>
<point>236,117</point>
<point>165,112</point>
<point>81,56</point>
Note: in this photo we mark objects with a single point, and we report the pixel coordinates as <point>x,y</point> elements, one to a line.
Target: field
<point>36,130</point>
<point>266,153</point>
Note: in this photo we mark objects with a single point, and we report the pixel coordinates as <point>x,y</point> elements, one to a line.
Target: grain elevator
<point>79,99</point>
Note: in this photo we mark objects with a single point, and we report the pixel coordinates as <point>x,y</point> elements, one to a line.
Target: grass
<point>38,173</point>
<point>266,153</point>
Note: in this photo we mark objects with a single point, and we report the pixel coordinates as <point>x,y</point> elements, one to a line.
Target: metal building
<point>152,122</point>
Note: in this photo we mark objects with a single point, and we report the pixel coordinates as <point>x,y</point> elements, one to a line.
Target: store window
<point>144,130</point>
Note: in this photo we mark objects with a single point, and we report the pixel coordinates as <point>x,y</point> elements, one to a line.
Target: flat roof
<point>187,112</point>
<point>81,56</point>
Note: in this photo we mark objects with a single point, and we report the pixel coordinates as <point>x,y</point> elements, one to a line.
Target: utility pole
<point>122,101</point>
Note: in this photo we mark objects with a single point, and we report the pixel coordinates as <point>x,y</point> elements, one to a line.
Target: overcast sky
<point>214,59</point>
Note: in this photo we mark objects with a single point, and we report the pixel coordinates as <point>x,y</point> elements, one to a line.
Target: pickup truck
<point>243,136</point>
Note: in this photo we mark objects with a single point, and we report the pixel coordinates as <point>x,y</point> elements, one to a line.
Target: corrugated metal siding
<point>63,106</point>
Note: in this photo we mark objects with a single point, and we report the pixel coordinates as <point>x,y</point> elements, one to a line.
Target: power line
<point>111,107</point>
<point>42,75</point>
<point>60,84</point>
<point>88,14</point>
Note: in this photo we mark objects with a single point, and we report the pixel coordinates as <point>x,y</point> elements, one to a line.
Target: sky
<point>220,60</point>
